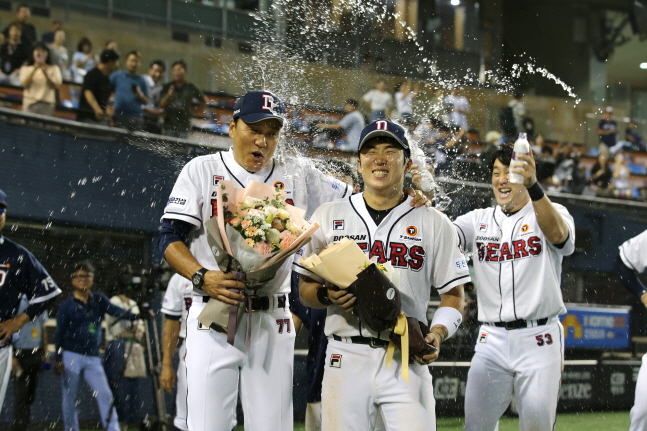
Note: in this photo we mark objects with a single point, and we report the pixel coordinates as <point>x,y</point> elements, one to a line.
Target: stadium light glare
<point>455,2</point>
<point>643,65</point>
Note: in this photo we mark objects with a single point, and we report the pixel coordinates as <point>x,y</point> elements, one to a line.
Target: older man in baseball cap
<point>20,274</point>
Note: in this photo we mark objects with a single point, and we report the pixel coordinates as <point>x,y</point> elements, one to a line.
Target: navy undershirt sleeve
<point>172,231</point>
<point>629,278</point>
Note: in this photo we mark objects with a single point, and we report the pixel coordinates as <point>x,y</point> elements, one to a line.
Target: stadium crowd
<point>125,98</point>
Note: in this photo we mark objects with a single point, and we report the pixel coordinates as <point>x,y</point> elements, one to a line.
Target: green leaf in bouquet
<point>276,203</point>
<point>225,197</point>
<point>228,214</point>
<point>269,219</point>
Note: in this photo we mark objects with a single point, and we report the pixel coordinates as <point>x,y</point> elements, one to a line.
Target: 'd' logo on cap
<point>268,102</point>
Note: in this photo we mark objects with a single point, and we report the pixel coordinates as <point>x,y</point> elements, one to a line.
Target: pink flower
<point>257,212</point>
<point>287,234</point>
<point>245,224</point>
<point>287,239</point>
<point>242,213</point>
<point>262,247</point>
<point>234,221</point>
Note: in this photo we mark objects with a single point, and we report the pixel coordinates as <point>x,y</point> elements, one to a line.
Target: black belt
<point>259,303</point>
<point>373,342</point>
<point>519,323</point>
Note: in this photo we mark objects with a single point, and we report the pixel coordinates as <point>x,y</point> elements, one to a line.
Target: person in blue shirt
<point>131,92</point>
<point>20,274</point>
<point>30,352</point>
<point>77,339</point>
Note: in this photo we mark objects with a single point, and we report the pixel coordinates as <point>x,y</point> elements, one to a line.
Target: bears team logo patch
<point>279,185</point>
<point>412,231</point>
<point>482,227</point>
<point>338,225</point>
<point>525,228</point>
<point>335,361</point>
<point>217,179</point>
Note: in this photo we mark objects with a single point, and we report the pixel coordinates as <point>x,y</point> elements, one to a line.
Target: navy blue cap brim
<point>260,116</point>
<point>378,133</point>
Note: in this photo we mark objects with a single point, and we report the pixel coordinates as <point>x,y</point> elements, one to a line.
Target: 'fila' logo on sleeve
<point>381,125</point>
<point>335,360</point>
<point>217,179</point>
<point>482,227</point>
<point>338,225</point>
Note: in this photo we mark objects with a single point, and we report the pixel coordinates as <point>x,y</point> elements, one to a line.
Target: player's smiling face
<point>254,143</point>
<point>511,197</point>
<point>382,166</point>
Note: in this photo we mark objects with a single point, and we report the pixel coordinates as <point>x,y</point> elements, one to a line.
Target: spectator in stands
<point>518,112</point>
<point>426,133</point>
<point>404,101</point>
<point>632,135</point>
<point>30,352</point>
<point>96,90</point>
<point>40,80</point>
<point>179,96</point>
<point>492,143</point>
<point>131,92</point>
<point>28,31</point>
<point>607,129</point>
<point>379,101</point>
<point>13,54</point>
<point>601,175</point>
<point>568,177</point>
<point>123,338</point>
<point>153,110</point>
<point>48,38</point>
<point>83,60</point>
<point>59,54</point>
<point>547,154</point>
<point>111,44</point>
<point>459,107</point>
<point>621,174</point>
<point>78,336</point>
<point>353,123</point>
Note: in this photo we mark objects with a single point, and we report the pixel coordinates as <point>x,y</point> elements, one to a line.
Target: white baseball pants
<point>215,369</point>
<point>638,413</point>
<point>527,362</point>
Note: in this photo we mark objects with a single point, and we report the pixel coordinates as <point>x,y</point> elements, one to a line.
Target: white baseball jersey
<point>633,252</point>
<point>193,198</point>
<point>177,300</point>
<point>420,243</point>
<point>517,271</point>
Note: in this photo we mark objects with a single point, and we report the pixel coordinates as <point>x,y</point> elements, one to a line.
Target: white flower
<point>250,202</point>
<point>282,214</point>
<point>271,210</point>
<point>294,228</point>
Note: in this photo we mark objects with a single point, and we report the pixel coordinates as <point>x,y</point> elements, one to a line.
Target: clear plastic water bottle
<point>521,146</point>
<point>418,157</point>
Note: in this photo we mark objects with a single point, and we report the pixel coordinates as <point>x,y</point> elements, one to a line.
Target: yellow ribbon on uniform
<point>401,329</point>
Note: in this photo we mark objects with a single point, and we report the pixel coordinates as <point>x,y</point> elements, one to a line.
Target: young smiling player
<point>422,245</point>
<point>517,249</point>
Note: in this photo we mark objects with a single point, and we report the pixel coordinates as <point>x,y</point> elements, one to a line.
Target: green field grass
<point>597,421</point>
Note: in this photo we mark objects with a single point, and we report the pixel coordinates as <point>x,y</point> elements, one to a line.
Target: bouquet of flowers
<point>376,288</point>
<point>253,234</point>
